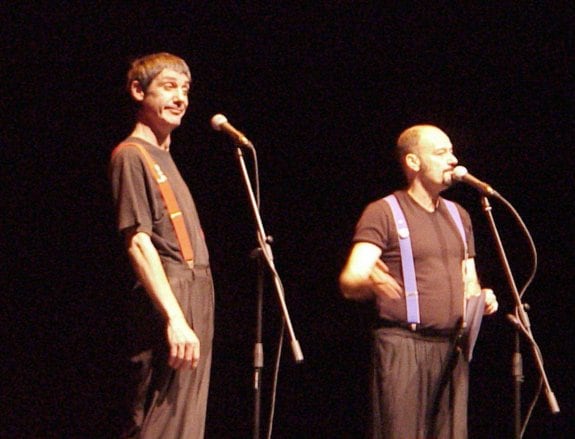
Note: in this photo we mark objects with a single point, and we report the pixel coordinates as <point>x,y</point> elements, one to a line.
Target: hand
<point>491,304</point>
<point>383,283</point>
<point>184,344</point>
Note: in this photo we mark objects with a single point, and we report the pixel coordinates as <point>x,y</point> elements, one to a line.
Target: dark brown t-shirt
<point>438,252</point>
<point>140,206</point>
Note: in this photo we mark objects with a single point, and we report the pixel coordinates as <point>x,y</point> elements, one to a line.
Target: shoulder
<point>379,206</point>
<point>127,162</point>
<point>128,155</point>
<point>383,201</point>
<point>460,209</point>
<point>377,211</point>
<point>127,148</point>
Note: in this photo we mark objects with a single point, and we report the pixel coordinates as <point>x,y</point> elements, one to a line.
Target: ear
<point>137,91</point>
<point>412,161</point>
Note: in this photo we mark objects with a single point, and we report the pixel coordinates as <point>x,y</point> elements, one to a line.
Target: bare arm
<point>365,275</point>
<point>473,288</point>
<point>183,342</point>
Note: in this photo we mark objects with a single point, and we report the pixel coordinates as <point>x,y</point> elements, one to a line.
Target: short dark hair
<point>146,68</point>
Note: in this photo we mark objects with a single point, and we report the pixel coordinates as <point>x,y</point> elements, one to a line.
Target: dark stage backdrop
<point>322,89</point>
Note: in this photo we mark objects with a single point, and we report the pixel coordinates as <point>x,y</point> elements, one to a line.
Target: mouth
<point>176,110</point>
<point>448,177</point>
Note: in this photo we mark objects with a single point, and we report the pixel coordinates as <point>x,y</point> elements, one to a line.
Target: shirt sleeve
<point>131,189</point>
<point>373,225</point>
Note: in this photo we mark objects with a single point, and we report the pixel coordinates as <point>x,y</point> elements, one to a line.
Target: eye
<point>443,151</point>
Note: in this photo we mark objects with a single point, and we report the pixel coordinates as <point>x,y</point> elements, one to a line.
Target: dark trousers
<point>168,403</point>
<point>411,399</point>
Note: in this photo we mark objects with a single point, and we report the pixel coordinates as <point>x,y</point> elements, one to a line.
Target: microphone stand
<point>521,323</point>
<point>264,252</point>
<point>258,347</point>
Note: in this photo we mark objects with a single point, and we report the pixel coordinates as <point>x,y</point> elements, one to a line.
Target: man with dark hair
<point>420,367</point>
<point>173,297</point>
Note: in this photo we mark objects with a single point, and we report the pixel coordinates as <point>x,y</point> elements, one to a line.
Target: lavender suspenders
<point>407,264</point>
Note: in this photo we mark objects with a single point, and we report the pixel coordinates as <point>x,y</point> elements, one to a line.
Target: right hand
<point>383,283</point>
<point>184,344</point>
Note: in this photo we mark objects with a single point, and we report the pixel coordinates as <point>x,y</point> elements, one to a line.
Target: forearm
<point>365,275</point>
<point>148,267</point>
<point>355,287</point>
<point>182,341</point>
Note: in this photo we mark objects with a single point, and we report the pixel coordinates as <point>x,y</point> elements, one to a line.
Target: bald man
<point>420,370</point>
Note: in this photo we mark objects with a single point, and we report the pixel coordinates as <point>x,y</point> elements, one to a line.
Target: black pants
<point>408,370</point>
<point>172,403</point>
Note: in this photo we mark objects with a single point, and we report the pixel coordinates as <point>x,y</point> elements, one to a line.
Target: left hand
<point>184,344</point>
<point>491,304</point>
<point>383,282</point>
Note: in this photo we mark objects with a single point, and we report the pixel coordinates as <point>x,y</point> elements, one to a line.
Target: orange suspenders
<point>176,215</point>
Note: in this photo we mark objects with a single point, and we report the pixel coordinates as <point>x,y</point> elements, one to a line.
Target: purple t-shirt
<point>438,252</point>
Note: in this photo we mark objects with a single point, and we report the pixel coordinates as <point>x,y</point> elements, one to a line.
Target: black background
<point>322,89</point>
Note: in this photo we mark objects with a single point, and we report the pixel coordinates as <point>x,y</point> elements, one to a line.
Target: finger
<point>196,356</point>
<point>379,264</point>
<point>380,277</point>
<point>394,286</point>
<point>174,361</point>
<point>491,307</point>
<point>192,354</point>
<point>395,293</point>
<point>388,290</point>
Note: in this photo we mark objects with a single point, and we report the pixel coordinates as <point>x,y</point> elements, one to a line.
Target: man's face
<point>165,101</point>
<point>436,158</point>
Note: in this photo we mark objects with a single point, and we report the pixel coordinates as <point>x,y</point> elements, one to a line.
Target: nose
<point>180,95</point>
<point>453,160</point>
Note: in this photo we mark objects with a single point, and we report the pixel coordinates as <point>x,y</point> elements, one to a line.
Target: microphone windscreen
<point>459,172</point>
<point>217,121</point>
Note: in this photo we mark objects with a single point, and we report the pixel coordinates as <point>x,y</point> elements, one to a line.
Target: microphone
<point>460,174</point>
<point>220,123</point>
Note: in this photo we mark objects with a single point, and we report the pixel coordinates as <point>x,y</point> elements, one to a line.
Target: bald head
<point>411,140</point>
<point>422,149</point>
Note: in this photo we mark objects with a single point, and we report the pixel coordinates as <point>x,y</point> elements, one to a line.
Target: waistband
<point>201,270</point>
<point>414,328</point>
<point>174,268</point>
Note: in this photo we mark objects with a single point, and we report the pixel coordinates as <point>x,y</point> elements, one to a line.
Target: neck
<point>145,132</point>
<point>429,201</point>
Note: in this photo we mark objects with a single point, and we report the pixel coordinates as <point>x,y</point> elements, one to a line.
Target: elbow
<point>135,240</point>
<point>137,245</point>
<point>345,291</point>
<point>344,286</point>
